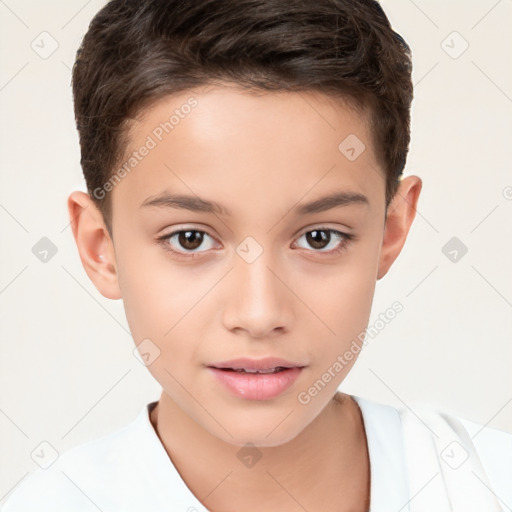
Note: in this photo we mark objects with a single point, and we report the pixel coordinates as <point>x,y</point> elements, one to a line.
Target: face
<point>255,262</point>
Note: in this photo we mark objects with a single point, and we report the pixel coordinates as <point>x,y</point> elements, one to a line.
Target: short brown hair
<point>138,51</point>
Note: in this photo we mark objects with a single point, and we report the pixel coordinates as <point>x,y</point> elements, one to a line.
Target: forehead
<point>248,148</point>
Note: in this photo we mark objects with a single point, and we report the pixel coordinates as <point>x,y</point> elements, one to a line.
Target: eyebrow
<point>196,204</point>
<point>179,201</point>
<point>332,201</point>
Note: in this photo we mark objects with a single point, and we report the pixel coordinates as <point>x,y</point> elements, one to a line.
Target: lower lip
<point>257,386</point>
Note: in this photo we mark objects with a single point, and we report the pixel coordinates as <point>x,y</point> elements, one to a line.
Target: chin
<point>263,433</point>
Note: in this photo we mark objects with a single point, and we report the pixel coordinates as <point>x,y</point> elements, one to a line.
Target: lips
<point>256,379</point>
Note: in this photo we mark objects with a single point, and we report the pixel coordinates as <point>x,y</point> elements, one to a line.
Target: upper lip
<point>266,363</point>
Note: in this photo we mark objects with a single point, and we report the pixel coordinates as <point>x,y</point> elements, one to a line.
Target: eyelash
<point>345,240</point>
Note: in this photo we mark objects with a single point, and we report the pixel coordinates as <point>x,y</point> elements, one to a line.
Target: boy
<point>276,133</point>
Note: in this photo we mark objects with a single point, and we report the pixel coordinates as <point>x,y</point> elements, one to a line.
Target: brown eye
<point>321,238</point>
<point>187,242</point>
<point>318,239</point>
<point>190,240</point>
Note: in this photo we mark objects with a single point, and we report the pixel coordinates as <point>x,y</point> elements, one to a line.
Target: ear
<point>94,244</point>
<point>401,213</point>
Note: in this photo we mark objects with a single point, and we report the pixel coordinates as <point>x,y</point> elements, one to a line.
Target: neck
<point>332,447</point>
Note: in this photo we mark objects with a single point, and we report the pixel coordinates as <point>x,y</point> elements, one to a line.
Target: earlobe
<point>401,213</point>
<point>94,244</point>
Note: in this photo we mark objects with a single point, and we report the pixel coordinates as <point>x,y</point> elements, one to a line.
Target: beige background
<point>67,369</point>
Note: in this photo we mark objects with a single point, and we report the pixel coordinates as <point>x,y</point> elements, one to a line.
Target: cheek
<point>155,295</point>
<point>346,313</point>
<point>342,296</point>
<point>162,301</point>
<point>356,296</point>
<point>344,306</point>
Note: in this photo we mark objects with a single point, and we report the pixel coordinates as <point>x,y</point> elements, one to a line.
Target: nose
<point>258,302</point>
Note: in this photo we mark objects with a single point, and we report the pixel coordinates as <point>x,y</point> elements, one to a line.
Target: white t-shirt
<point>418,463</point>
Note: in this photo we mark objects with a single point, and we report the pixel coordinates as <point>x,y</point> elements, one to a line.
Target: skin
<point>258,155</point>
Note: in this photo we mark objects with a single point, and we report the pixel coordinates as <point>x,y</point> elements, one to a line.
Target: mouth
<point>253,379</point>
<point>277,369</point>
<point>265,365</point>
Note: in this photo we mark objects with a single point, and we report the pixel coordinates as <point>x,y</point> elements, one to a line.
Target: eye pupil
<point>316,241</point>
<point>190,239</point>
